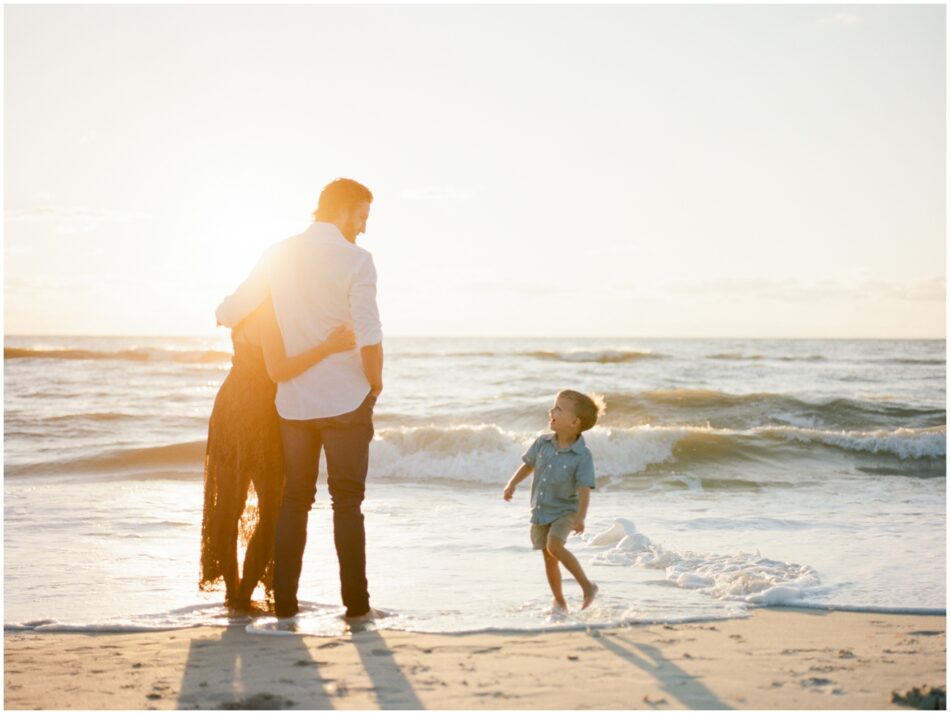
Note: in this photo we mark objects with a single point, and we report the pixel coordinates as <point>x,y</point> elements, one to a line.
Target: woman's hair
<point>587,408</point>
<point>340,195</point>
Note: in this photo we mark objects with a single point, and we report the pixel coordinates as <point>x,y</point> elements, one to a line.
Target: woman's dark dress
<point>243,449</point>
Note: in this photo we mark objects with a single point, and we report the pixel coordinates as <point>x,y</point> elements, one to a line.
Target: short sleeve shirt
<point>558,473</point>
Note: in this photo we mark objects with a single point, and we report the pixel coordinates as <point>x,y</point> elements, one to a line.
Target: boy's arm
<point>520,475</point>
<point>583,501</point>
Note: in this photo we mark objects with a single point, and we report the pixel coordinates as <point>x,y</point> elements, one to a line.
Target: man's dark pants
<point>345,439</point>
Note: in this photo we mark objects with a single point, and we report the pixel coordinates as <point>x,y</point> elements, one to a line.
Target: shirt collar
<point>325,229</point>
<point>575,447</point>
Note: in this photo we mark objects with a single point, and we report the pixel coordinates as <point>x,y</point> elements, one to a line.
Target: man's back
<point>318,281</point>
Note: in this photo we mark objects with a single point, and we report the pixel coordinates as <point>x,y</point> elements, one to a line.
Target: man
<point>318,280</point>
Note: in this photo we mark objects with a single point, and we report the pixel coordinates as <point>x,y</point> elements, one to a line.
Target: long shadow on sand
<point>229,673</point>
<point>392,688</point>
<point>679,684</point>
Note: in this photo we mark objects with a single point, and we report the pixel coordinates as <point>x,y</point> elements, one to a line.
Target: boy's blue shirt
<point>557,475</point>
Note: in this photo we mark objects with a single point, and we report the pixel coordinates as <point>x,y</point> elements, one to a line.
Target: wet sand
<point>776,659</point>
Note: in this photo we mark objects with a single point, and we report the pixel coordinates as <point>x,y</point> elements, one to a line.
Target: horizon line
<point>507,337</point>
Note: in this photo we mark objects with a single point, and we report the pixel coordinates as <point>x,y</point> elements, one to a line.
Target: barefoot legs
<point>557,553</point>
<point>553,571</point>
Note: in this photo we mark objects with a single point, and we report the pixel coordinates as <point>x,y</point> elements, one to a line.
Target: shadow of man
<point>239,670</point>
<point>392,688</point>
<point>673,680</point>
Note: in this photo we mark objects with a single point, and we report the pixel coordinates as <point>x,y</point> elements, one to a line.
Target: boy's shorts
<point>561,528</point>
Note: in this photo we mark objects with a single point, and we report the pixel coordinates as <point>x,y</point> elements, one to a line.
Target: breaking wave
<point>483,454</point>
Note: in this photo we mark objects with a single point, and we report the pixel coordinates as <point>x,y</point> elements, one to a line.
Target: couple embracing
<point>306,319</point>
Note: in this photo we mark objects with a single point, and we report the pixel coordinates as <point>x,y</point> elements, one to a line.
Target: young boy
<point>560,491</point>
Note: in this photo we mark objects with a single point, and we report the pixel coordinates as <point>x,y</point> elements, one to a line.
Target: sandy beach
<point>780,658</point>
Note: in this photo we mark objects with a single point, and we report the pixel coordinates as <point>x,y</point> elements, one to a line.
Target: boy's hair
<point>587,408</point>
<point>338,195</point>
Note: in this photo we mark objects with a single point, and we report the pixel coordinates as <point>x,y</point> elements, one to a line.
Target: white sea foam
<point>740,577</point>
<point>618,530</point>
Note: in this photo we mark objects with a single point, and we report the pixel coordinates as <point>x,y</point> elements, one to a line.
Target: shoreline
<point>777,658</point>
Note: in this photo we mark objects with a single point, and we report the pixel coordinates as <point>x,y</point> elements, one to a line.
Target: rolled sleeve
<point>363,309</point>
<point>251,293</point>
<point>530,457</point>
<point>585,472</point>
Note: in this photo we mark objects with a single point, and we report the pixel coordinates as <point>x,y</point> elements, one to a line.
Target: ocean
<point>731,475</point>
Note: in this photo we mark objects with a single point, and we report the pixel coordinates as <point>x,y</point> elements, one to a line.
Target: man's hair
<point>340,195</point>
<point>587,408</point>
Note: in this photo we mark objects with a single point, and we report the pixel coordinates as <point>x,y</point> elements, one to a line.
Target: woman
<point>244,448</point>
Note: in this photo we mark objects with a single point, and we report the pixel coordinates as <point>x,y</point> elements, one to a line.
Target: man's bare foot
<point>368,616</point>
<point>589,596</point>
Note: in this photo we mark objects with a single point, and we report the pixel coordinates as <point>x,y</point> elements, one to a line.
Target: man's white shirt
<point>318,281</point>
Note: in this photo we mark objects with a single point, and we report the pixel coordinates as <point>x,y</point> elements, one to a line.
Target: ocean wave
<point>598,356</point>
<point>756,357</point>
<point>485,453</point>
<point>929,443</point>
<point>91,416</point>
<point>722,409</point>
<point>50,626</point>
<point>136,460</point>
<point>602,356</point>
<point>429,355</point>
<point>204,614</point>
<point>134,355</point>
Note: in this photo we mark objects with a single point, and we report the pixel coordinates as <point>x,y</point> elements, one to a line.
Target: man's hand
<point>376,389</point>
<point>578,525</point>
<point>509,491</point>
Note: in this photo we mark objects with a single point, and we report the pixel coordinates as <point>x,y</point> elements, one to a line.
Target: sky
<point>538,170</point>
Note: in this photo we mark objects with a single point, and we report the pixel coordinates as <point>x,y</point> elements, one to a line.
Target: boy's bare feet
<point>589,596</point>
<point>558,608</point>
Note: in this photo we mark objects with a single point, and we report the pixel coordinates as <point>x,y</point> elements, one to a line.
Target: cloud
<point>48,214</point>
<point>839,18</point>
<point>70,221</point>
<point>933,289</point>
<point>929,290</point>
<point>432,193</point>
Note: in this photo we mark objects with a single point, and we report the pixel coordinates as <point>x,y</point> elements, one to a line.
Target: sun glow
<point>535,189</point>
